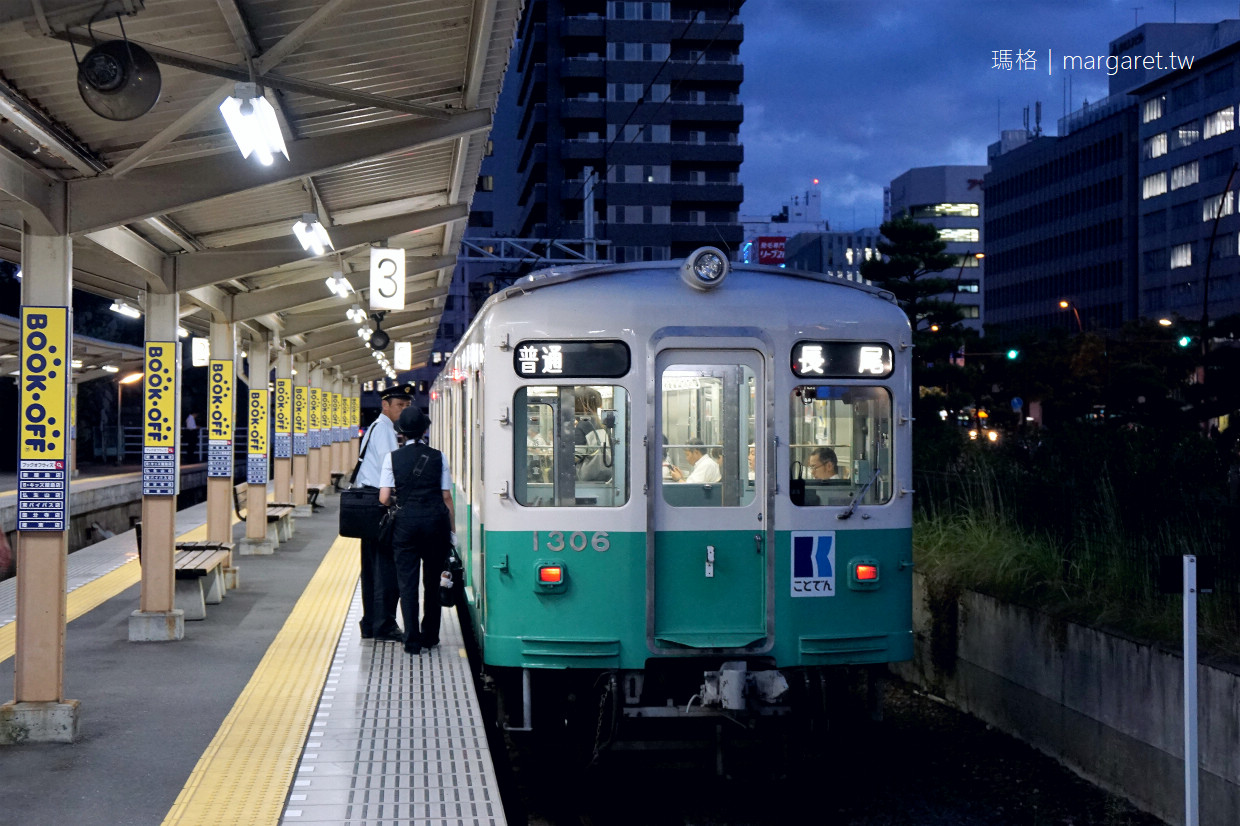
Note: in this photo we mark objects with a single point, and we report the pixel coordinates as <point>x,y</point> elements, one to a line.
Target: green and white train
<point>594,580</point>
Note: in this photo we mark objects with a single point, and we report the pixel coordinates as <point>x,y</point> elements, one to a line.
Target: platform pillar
<point>42,555</point>
<point>257,456</point>
<point>282,412</point>
<point>316,432</point>
<point>301,389</point>
<point>156,617</point>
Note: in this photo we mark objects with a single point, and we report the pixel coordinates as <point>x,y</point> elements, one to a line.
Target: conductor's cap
<point>399,391</point>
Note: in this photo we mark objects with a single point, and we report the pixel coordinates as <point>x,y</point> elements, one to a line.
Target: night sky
<point>856,92</point>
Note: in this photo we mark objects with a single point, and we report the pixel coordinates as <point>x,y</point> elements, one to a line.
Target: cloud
<point>856,93</point>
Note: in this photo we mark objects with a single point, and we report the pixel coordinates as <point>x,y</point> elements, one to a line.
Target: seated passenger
<point>705,469</point>
<point>824,466</point>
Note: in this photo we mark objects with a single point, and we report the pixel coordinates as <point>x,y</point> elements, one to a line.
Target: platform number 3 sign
<point>387,279</point>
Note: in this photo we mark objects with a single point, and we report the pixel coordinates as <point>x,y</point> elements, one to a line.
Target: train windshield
<point>571,446</point>
<point>840,445</point>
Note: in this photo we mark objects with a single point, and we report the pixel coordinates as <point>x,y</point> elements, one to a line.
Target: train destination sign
<point>571,359</point>
<point>220,419</point>
<point>43,464</point>
<point>256,457</point>
<point>301,400</point>
<point>282,446</point>
<point>159,418</point>
<point>841,360</point>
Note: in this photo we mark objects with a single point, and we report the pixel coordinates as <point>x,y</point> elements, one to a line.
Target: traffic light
<point>1013,354</point>
<point>1184,341</point>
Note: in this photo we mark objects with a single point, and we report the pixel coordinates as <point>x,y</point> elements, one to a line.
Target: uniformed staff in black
<point>417,478</point>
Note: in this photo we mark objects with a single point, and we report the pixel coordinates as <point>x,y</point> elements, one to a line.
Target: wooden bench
<point>199,569</point>
<point>312,496</point>
<point>279,515</point>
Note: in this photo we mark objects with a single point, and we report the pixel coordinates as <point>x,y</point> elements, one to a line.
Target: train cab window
<point>571,446</point>
<point>707,424</point>
<point>840,445</point>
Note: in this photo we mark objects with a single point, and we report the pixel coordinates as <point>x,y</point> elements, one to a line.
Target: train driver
<point>823,465</point>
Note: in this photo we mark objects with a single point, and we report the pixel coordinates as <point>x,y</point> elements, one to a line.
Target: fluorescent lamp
<point>339,285</point>
<point>110,368</point>
<point>182,332</point>
<point>77,364</point>
<point>252,121</point>
<point>311,234</point>
<point>124,309</point>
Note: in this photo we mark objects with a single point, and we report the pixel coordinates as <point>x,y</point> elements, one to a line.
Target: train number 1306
<point>556,541</point>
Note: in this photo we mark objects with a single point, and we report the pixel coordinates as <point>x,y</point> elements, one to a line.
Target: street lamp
<point>1065,304</point>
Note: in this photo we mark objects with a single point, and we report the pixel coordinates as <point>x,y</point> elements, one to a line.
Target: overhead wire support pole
<point>1190,692</point>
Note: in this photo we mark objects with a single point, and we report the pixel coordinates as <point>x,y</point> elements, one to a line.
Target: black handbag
<point>361,515</point>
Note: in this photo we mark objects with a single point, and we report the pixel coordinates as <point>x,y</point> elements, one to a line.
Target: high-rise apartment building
<point>629,116</point>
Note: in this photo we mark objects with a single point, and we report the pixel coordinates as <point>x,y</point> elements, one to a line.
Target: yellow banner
<point>284,406</point>
<point>220,399</point>
<point>325,413</point>
<point>336,410</point>
<point>45,376</point>
<point>353,404</point>
<point>159,392</point>
<point>315,403</point>
<point>258,422</point>
<point>300,401</point>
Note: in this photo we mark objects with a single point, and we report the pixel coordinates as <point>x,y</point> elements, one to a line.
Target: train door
<point>708,566</point>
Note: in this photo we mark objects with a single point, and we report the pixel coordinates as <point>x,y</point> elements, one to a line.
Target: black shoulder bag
<point>360,512</point>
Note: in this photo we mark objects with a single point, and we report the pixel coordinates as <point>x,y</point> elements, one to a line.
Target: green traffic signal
<point>1013,354</point>
<point>1184,341</point>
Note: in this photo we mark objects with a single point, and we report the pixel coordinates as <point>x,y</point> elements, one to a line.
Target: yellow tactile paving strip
<point>245,773</point>
<point>94,593</point>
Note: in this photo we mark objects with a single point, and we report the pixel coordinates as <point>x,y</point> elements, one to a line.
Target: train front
<point>693,498</point>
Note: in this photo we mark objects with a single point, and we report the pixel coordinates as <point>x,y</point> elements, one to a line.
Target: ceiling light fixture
<point>110,368</point>
<point>252,121</point>
<point>124,309</point>
<point>182,332</point>
<point>339,285</point>
<point>311,234</point>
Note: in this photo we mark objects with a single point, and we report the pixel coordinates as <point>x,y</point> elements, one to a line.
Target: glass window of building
<point>1153,185</point>
<point>1184,175</point>
<point>1181,256</point>
<point>839,445</point>
<point>1155,147</point>
<point>1153,108</point>
<point>1186,134</point>
<point>1224,120</point>
<point>968,285</point>
<point>951,234</point>
<point>944,210</point>
<point>1218,205</point>
<point>970,311</point>
<point>571,446</point>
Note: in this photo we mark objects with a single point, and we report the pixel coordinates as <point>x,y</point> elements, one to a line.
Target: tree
<point>911,261</point>
<point>912,258</point>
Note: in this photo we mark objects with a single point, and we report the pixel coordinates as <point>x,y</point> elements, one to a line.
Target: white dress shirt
<point>379,441</point>
<point>705,472</point>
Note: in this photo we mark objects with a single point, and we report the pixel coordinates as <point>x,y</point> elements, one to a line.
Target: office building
<point>766,236</point>
<point>949,198</point>
<point>840,253</point>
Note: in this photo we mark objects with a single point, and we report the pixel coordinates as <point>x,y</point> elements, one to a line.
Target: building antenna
<point>999,117</point>
<point>1135,11</point>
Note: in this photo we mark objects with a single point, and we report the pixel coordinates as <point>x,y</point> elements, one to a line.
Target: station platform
<point>271,710</point>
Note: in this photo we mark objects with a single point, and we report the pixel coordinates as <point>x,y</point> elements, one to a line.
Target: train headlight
<point>863,574</point>
<point>549,577</point>
<point>705,268</point>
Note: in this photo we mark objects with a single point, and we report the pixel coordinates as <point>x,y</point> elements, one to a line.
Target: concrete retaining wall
<point>1110,708</point>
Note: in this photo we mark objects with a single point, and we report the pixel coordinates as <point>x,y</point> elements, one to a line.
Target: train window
<point>840,445</point>
<point>571,446</point>
<point>707,421</point>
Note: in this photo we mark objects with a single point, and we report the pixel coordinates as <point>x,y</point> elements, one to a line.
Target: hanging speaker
<point>118,80</point>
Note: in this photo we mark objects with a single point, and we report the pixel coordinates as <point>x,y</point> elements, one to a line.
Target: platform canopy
<point>385,109</point>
